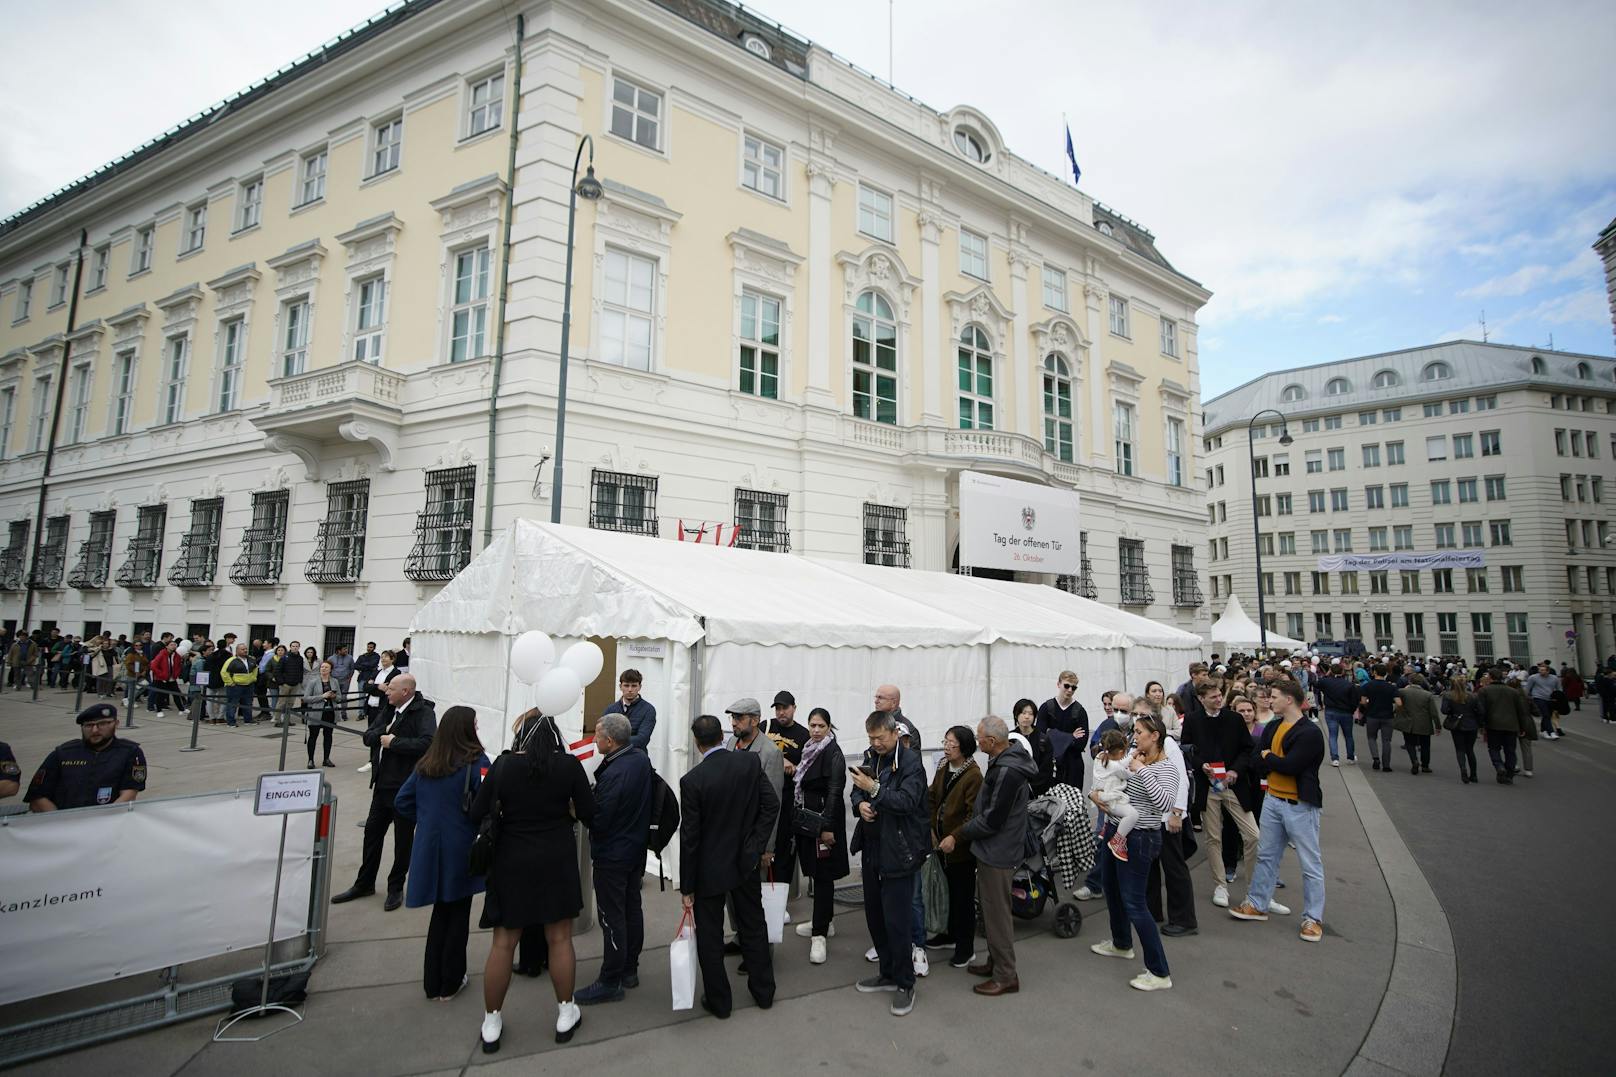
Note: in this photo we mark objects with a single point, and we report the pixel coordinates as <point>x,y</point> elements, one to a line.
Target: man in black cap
<point>98,768</point>
<point>789,735</point>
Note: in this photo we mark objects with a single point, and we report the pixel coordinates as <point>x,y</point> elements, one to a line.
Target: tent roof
<point>1235,629</point>
<point>1136,629</point>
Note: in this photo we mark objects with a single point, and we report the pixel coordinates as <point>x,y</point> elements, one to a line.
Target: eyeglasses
<point>1070,687</point>
<point>98,723</point>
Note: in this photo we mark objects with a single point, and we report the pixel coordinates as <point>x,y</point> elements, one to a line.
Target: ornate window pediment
<point>980,305</point>
<point>880,268</point>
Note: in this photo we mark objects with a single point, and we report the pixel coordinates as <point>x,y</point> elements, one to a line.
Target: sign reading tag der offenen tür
<point>288,792</point>
<point>1020,526</point>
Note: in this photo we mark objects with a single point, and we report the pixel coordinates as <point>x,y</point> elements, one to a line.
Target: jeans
<point>445,963</point>
<point>1545,715</point>
<point>889,910</point>
<point>1284,822</point>
<point>1380,728</point>
<point>1124,885</point>
<point>238,700</point>
<point>1342,721</point>
<point>622,918</point>
<point>1418,747</point>
<point>1501,750</point>
<point>1464,747</point>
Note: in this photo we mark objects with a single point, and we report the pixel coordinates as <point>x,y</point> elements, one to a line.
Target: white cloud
<point>1527,278</point>
<point>1331,319</point>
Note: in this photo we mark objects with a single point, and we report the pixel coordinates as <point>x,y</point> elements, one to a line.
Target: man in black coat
<point>726,818</point>
<point>402,732</point>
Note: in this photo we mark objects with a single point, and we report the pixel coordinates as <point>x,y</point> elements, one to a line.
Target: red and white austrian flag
<point>583,749</point>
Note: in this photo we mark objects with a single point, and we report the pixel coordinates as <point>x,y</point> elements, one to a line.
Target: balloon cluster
<point>557,684</point>
<point>184,648</point>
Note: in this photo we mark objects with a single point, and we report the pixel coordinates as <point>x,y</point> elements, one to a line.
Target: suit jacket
<point>412,730</point>
<point>727,816</point>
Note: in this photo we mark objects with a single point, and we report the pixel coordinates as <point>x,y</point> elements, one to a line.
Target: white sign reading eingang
<point>1020,526</point>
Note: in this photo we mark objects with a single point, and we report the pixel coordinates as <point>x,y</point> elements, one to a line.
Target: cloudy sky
<point>1346,178</point>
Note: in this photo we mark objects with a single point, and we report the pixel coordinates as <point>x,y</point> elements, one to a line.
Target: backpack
<point>664,819</point>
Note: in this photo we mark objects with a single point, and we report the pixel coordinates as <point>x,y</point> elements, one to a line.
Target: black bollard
<point>129,708</point>
<point>197,705</point>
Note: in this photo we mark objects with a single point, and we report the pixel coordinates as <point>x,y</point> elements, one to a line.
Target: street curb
<point>1414,1025</point>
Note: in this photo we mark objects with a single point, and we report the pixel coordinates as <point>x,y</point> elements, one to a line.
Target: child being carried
<point>1111,784</point>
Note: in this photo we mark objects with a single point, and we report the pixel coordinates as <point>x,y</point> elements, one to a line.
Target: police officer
<point>10,773</point>
<point>98,768</point>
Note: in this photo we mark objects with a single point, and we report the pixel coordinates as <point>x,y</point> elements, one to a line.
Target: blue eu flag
<point>1071,155</point>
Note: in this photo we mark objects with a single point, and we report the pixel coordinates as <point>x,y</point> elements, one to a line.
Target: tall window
<point>98,268</point>
<point>15,556</point>
<point>763,167</point>
<point>123,391</point>
<point>1371,456</point>
<point>232,358</point>
<point>468,317</point>
<point>1169,337</point>
<point>25,299</point>
<point>59,285</point>
<point>1058,408</point>
<point>761,522</point>
<point>263,547</point>
<point>196,228</point>
<point>1055,288</point>
<point>443,529</point>
<point>1134,577</point>
<point>294,336</point>
<point>78,414</point>
<point>1122,421</point>
<point>975,380</point>
<point>389,146</point>
<point>1186,588</point>
<point>311,186</point>
<point>485,104</point>
<point>886,539</point>
<point>875,360</point>
<point>619,501</point>
<point>145,245</point>
<point>339,543</point>
<point>637,114</point>
<point>95,554</point>
<point>1175,452</point>
<point>251,207</point>
<point>973,254</point>
<point>42,413</point>
<point>199,546</point>
<point>370,320</point>
<point>1119,316</point>
<point>875,213</point>
<point>144,565</point>
<point>760,345</point>
<point>8,418</point>
<point>52,554</point>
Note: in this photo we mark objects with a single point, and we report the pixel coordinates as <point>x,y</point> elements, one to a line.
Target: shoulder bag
<point>481,858</point>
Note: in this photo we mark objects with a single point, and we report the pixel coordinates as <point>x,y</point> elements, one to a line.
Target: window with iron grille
<point>761,522</point>
<point>1082,584</point>
<point>339,541</point>
<point>263,547</point>
<point>199,546</point>
<point>1519,633</point>
<point>95,553</point>
<point>144,564</point>
<point>443,530</point>
<point>1186,589</point>
<point>886,539</point>
<point>622,502</point>
<point>1131,570</point>
<point>51,559</point>
<point>14,556</point>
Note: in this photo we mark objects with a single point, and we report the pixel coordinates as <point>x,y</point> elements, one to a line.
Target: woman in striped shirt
<point>1152,785</point>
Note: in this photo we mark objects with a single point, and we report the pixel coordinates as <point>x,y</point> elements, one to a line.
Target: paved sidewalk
<point>1239,987</point>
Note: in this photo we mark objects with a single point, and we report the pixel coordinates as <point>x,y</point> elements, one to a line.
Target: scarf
<point>810,752</point>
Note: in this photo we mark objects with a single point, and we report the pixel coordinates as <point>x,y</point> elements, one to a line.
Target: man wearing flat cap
<point>97,768</point>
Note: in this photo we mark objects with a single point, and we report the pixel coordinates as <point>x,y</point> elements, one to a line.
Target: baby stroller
<point>1049,853</point>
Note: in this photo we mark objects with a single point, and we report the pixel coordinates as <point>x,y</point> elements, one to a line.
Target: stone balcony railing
<point>354,401</point>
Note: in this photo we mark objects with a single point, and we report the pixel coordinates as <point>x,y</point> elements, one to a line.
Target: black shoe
<point>598,991</point>
<point>741,969</point>
<point>631,980</point>
<point>1424,769</point>
<point>940,942</point>
<point>1174,931</point>
<point>1375,765</point>
<point>708,1006</point>
<point>327,763</point>
<point>732,948</point>
<point>763,1003</point>
<point>395,899</point>
<point>1415,769</point>
<point>355,891</point>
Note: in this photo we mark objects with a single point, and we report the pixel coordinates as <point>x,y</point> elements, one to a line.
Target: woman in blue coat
<point>436,795</point>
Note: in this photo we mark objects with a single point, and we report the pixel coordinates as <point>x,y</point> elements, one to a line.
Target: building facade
<point>1605,245</point>
<point>1450,500</point>
<point>314,357</point>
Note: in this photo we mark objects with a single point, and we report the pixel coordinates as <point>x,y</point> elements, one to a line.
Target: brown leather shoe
<point>984,969</point>
<point>993,988</point>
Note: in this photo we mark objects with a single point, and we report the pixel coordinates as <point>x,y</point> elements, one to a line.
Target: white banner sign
<point>1400,562</point>
<point>288,792</point>
<point>1019,526</point>
<point>97,894</point>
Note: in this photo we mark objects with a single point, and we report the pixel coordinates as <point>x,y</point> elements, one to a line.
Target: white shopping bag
<point>682,964</point>
<point>774,908</point>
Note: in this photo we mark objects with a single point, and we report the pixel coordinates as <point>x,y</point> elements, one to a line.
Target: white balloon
<point>184,648</point>
<point>585,660</point>
<point>557,691</point>
<point>532,655</point>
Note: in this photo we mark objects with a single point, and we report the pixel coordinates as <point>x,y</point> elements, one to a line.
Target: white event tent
<point>1236,630</point>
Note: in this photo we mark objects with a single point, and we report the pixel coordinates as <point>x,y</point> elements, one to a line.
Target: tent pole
<point>990,684</point>
<point>1125,671</point>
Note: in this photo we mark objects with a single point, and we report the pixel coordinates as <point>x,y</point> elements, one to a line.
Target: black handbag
<point>810,823</point>
<point>468,795</point>
<point>481,858</point>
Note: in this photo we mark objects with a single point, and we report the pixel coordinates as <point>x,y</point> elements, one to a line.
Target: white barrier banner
<point>97,894</point>
<point>1401,562</point>
<point>1015,525</point>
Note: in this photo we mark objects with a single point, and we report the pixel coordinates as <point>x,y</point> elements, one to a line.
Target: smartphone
<point>867,771</point>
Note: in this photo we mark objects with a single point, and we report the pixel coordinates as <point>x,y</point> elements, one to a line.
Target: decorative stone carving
<point>882,269</point>
<point>980,305</point>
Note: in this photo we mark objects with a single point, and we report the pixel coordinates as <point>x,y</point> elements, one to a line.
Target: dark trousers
<point>1418,747</point>
<point>1128,888</point>
<point>1378,731</point>
<point>622,921</point>
<point>746,906</point>
<point>1501,750</point>
<point>314,734</point>
<point>785,834</point>
<point>1464,747</point>
<point>824,885</point>
<point>1545,715</point>
<point>1170,866</point>
<point>889,910</point>
<point>238,704</point>
<point>962,907</point>
<point>261,691</point>
<point>380,818</point>
<point>445,963</point>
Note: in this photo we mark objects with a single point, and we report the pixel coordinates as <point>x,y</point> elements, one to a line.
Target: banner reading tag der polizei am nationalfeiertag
<point>1019,526</point>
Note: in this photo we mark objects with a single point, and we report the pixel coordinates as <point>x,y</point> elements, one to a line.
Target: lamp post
<point>1256,532</point>
<point>587,188</point>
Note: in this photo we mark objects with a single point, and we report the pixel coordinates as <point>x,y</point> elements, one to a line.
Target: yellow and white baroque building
<point>804,303</point>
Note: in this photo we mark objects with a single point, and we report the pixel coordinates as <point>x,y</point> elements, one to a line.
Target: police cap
<point>98,712</point>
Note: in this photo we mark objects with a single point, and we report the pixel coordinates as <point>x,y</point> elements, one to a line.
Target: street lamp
<point>1256,533</point>
<point>588,188</point>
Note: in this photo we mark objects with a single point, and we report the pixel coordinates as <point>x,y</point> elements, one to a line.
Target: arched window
<point>1387,379</point>
<point>1293,393</point>
<point>1438,371</point>
<point>1538,365</point>
<point>975,380</point>
<point>1337,386</point>
<point>875,360</point>
<point>1104,227</point>
<point>1058,407</point>
<point>1585,372</point>
<point>969,143</point>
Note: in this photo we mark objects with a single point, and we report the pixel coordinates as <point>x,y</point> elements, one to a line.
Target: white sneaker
<point>1335,762</point>
<point>872,954</point>
<point>1277,909</point>
<point>806,929</point>
<point>161,714</point>
<point>364,769</point>
<point>1526,773</point>
<point>1147,981</point>
<point>1220,897</point>
<point>1085,894</point>
<point>1109,949</point>
<point>816,950</point>
<point>922,965</point>
<point>567,1017</point>
<point>493,1024</point>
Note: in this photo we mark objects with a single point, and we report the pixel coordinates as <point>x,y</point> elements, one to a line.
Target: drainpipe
<point>56,424</point>
<point>504,283</point>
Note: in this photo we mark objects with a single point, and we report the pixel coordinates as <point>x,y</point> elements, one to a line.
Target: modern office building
<point>305,361</point>
<point>1450,499</point>
<point>1605,245</point>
